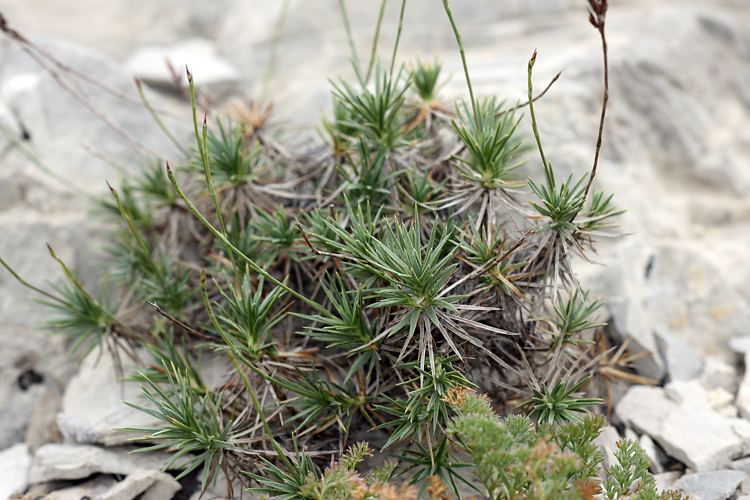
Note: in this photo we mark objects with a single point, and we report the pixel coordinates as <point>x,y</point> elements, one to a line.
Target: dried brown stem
<point>180,323</point>
<point>536,98</point>
<point>596,18</point>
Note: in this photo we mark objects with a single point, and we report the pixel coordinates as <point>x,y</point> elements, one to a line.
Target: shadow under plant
<point>375,283</point>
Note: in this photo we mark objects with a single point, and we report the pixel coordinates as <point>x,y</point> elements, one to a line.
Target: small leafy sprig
<point>556,405</point>
<point>192,425</point>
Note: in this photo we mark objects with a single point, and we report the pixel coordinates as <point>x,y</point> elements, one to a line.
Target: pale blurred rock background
<point>676,153</point>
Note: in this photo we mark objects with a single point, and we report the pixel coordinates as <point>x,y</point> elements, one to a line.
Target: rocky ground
<point>676,154</point>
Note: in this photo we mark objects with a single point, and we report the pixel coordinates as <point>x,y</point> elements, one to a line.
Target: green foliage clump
<point>370,286</point>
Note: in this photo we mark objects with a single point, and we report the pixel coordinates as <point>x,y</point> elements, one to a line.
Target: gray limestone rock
<point>713,485</point>
<point>680,359</point>
<point>93,405</point>
<point>133,485</point>
<point>165,67</point>
<point>658,459</point>
<point>740,344</point>
<point>70,461</point>
<point>607,441</point>
<point>743,392</point>
<point>689,431</point>
<point>15,463</point>
<point>164,488</point>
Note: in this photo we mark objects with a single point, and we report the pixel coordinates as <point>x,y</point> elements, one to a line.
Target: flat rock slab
<point>690,432</point>
<point>93,405</point>
<point>75,461</point>
<point>713,485</point>
<point>14,470</point>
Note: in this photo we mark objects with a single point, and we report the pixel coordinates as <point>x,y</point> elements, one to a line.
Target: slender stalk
<point>241,372</point>
<point>29,285</point>
<point>129,221</point>
<point>463,58</point>
<point>158,120</point>
<point>375,41</point>
<point>547,173</point>
<point>349,37</point>
<point>598,23</point>
<point>202,148</point>
<point>72,278</point>
<point>273,50</point>
<point>398,34</point>
<point>44,168</point>
<point>234,250</point>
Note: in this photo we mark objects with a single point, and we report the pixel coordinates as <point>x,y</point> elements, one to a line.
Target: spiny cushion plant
<point>367,285</point>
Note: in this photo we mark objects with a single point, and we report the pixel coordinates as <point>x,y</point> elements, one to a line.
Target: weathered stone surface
<point>689,431</point>
<point>70,461</point>
<point>42,427</point>
<point>88,489</point>
<point>743,393</point>
<point>713,485</point>
<point>743,465</point>
<point>666,480</point>
<point>164,488</point>
<point>718,372</point>
<point>740,344</point>
<point>136,483</point>
<point>93,405</point>
<point>607,441</point>
<point>15,463</point>
<point>658,459</point>
<point>680,359</point>
<point>165,67</point>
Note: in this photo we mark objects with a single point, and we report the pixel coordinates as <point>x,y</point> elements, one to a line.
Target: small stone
<point>165,67</point>
<point>15,463</point>
<point>68,461</point>
<point>717,372</point>
<point>164,488</point>
<point>607,441</point>
<point>713,485</point>
<point>721,400</point>
<point>680,359</point>
<point>690,432</point>
<point>743,393</point>
<point>743,465</point>
<point>629,322</point>
<point>658,459</point>
<point>666,480</point>
<point>90,489</point>
<point>93,405</point>
<point>740,344</point>
<point>43,428</point>
<point>136,483</point>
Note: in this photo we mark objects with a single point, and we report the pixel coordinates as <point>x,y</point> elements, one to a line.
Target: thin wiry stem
<point>158,120</point>
<point>203,150</point>
<point>597,19</point>
<point>241,372</point>
<point>463,58</point>
<point>65,181</point>
<point>273,50</point>
<point>398,35</point>
<point>72,279</point>
<point>349,37</point>
<point>536,98</point>
<point>375,41</point>
<point>234,250</point>
<point>547,172</point>
<point>29,285</point>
